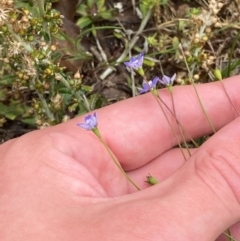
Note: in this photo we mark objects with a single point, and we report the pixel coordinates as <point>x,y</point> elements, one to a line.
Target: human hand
<point>60,183</point>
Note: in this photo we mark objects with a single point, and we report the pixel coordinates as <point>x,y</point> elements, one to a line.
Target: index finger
<point>137,131</point>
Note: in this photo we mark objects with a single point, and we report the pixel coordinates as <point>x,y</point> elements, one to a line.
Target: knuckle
<point>219,168</point>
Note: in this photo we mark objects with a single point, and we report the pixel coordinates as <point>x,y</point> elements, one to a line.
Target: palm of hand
<point>78,170</point>
<point>69,170</point>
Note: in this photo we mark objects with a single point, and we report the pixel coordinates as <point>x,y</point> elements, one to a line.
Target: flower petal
<point>167,81</point>
<point>84,126</point>
<point>145,88</point>
<point>135,63</point>
<point>140,59</point>
<point>154,82</point>
<point>151,85</point>
<point>90,122</point>
<point>173,78</point>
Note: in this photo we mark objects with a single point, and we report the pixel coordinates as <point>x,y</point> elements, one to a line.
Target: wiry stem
<point>225,91</point>
<point>77,95</point>
<point>179,126</point>
<point>157,98</point>
<point>228,235</point>
<point>44,103</point>
<point>173,131</point>
<point>97,132</point>
<point>195,89</point>
<point>178,122</point>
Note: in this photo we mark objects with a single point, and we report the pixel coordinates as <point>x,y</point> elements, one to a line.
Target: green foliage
<point>93,11</point>
<point>193,11</point>
<point>33,86</point>
<point>13,110</point>
<point>33,83</point>
<point>146,5</point>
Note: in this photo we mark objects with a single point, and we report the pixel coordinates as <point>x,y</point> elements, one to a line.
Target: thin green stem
<point>172,129</point>
<point>230,56</point>
<point>77,95</point>
<point>195,89</point>
<point>234,107</point>
<point>45,105</point>
<point>229,236</point>
<point>159,100</point>
<point>190,138</point>
<point>179,126</point>
<point>96,131</point>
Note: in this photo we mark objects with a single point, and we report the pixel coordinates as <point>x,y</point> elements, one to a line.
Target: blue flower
<point>135,63</point>
<point>167,81</point>
<point>151,85</point>
<point>90,122</point>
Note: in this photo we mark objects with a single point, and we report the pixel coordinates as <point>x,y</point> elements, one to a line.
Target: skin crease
<point>60,184</point>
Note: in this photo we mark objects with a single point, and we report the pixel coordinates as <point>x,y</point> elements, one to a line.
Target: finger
<point>235,233</point>
<point>198,202</point>
<point>137,131</point>
<point>160,168</point>
<point>220,156</point>
<point>216,163</point>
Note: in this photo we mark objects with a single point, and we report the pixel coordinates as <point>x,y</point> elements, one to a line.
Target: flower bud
<point>217,73</point>
<point>205,38</point>
<point>77,75</point>
<point>58,77</point>
<point>214,20</point>
<point>208,30</point>
<point>196,77</point>
<point>215,11</point>
<point>65,118</point>
<point>220,5</point>
<point>141,71</point>
<point>151,180</point>
<point>53,47</point>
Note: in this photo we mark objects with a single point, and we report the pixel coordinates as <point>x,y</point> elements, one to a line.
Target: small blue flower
<point>152,84</point>
<point>167,81</point>
<point>90,122</point>
<point>135,63</point>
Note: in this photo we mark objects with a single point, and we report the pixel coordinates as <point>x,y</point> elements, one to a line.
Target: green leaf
<point>175,42</point>
<point>227,72</point>
<point>90,3</point>
<point>66,98</point>
<point>143,8</point>
<point>85,89</point>
<point>7,80</point>
<point>100,4</point>
<point>94,31</point>
<point>163,2</point>
<point>12,111</point>
<point>84,22</point>
<point>149,63</point>
<point>82,9</point>
<point>118,34</point>
<point>3,94</point>
<point>152,41</point>
<point>145,5</point>
<point>30,121</point>
<point>97,101</point>
<point>106,14</point>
